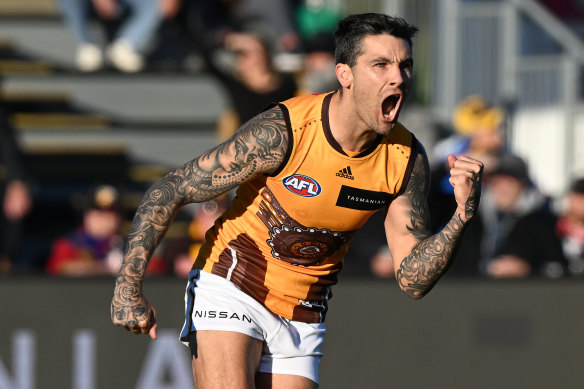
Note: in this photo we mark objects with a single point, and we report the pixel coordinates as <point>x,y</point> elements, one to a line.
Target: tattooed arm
<point>258,147</point>
<point>421,258</point>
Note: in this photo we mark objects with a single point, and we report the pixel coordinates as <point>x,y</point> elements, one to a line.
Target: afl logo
<point>302,185</point>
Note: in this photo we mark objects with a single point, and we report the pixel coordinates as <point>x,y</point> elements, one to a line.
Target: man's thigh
<point>224,359</point>
<point>283,381</point>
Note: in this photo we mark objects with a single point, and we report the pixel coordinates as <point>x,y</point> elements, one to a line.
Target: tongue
<point>388,105</point>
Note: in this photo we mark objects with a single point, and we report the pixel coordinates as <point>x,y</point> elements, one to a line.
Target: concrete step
<point>142,97</point>
<point>23,100</point>
<point>23,67</point>
<point>28,8</point>
<point>74,122</point>
<point>154,146</point>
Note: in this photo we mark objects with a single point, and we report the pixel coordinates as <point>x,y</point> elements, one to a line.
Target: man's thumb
<point>152,332</point>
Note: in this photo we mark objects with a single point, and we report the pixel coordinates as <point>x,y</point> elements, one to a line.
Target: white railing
<point>479,52</point>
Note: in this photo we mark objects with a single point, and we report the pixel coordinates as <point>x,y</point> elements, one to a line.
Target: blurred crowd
<point>519,231</point>
<point>263,51</point>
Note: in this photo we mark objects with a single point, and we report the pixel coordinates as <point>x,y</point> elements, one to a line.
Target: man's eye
<point>380,64</point>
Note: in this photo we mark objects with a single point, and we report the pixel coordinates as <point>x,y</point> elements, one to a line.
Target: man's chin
<point>386,128</point>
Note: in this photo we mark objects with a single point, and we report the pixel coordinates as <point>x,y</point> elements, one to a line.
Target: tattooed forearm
<point>417,193</point>
<point>420,270</point>
<point>431,255</point>
<point>472,203</point>
<point>258,147</point>
<point>127,292</point>
<point>430,258</point>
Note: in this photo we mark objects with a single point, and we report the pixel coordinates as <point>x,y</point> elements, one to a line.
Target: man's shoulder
<point>304,101</point>
<point>401,137</point>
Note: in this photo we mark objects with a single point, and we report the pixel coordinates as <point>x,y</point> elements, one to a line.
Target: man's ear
<point>344,75</point>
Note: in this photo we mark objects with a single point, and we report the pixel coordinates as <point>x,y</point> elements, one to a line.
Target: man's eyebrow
<point>407,60</point>
<point>381,59</point>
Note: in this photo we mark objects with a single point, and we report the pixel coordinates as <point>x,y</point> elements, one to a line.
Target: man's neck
<point>350,132</point>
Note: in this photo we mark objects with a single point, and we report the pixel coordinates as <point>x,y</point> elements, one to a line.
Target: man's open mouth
<point>390,107</point>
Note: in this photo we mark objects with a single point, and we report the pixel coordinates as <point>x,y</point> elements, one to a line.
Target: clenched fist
<point>466,177</point>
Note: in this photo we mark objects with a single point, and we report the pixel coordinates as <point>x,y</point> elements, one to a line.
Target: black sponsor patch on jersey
<point>361,199</point>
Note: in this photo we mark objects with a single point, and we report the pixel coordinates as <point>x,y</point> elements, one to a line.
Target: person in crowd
<point>545,244</point>
<point>238,49</point>
<point>136,22</point>
<point>95,248</point>
<point>318,73</point>
<point>509,195</point>
<point>180,252</point>
<point>570,228</point>
<point>210,20</point>
<point>252,83</point>
<point>15,197</point>
<point>478,133</point>
<point>316,21</point>
<point>309,172</point>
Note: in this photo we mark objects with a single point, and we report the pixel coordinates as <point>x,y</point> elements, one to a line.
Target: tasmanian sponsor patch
<point>361,199</point>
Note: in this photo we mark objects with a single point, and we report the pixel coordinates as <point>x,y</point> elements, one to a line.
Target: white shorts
<point>290,347</point>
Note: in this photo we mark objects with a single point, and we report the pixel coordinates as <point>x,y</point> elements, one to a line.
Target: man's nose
<point>396,76</point>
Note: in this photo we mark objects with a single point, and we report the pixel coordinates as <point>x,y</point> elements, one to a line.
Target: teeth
<point>391,103</point>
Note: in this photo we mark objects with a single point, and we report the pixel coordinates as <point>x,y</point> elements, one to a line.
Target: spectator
<point>237,41</point>
<point>477,134</point>
<point>138,19</point>
<point>14,195</point>
<point>95,248</point>
<point>543,244</point>
<point>213,19</point>
<point>252,84</point>
<point>570,228</point>
<point>274,18</point>
<point>182,252</point>
<point>317,21</point>
<point>318,73</point>
<point>508,196</point>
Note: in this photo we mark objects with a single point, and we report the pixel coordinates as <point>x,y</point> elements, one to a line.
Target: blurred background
<point>100,98</point>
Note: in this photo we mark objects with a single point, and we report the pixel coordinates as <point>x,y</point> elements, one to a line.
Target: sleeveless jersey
<point>285,235</point>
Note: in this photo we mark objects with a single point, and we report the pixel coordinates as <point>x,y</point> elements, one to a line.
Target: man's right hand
<point>131,310</point>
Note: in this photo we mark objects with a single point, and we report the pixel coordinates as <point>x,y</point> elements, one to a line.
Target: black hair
<point>352,29</point>
<point>578,186</point>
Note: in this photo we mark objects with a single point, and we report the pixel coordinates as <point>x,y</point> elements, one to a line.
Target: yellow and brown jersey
<point>284,238</point>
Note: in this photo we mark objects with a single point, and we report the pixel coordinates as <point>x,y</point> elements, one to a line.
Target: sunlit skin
<point>383,69</point>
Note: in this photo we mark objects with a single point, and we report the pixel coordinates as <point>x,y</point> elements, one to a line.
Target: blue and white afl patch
<point>302,185</point>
